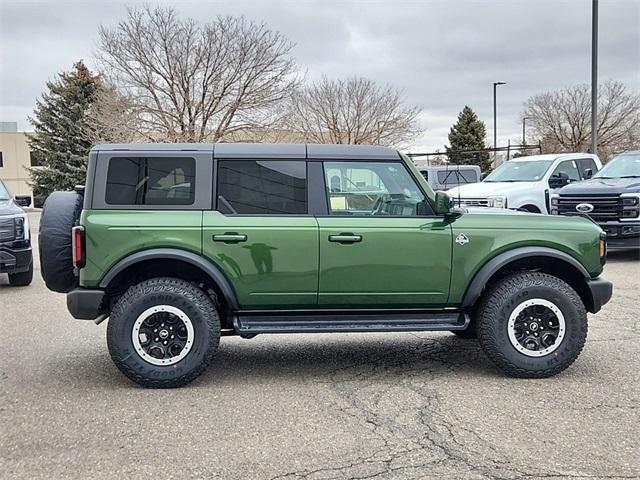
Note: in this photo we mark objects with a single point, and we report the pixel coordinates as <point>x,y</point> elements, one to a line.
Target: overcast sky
<point>442,54</point>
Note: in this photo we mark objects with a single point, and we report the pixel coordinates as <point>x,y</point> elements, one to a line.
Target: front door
<point>380,245</point>
<point>261,235</point>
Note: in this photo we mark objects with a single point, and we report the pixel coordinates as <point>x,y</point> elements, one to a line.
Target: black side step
<point>252,324</point>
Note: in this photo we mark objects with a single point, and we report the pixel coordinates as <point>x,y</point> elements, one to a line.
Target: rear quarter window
<point>150,181</point>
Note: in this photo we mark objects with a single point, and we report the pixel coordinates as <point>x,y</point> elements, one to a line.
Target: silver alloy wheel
<point>536,327</point>
<point>162,335</point>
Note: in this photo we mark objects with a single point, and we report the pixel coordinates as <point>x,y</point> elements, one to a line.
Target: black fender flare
<point>176,254</point>
<point>496,263</point>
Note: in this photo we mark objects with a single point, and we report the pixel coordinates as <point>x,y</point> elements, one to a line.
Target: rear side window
<point>458,176</point>
<point>262,187</point>
<point>151,181</point>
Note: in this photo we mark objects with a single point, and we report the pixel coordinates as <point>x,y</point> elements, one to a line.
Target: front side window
<point>569,167</point>
<point>363,189</point>
<point>151,181</point>
<point>4,193</point>
<point>262,187</point>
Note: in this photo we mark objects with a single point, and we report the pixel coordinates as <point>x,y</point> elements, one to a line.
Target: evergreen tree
<point>60,143</point>
<point>468,134</point>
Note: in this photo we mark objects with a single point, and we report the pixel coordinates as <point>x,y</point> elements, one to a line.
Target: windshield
<point>4,194</point>
<point>525,171</point>
<point>623,166</point>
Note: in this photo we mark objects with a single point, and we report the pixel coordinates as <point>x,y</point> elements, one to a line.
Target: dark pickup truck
<point>15,243</point>
<point>611,198</point>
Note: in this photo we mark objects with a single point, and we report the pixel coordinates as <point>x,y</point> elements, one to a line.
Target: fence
<point>474,156</point>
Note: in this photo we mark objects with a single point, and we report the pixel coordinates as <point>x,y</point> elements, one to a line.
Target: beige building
<point>15,158</point>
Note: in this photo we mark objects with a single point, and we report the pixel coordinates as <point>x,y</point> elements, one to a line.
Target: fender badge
<point>462,239</point>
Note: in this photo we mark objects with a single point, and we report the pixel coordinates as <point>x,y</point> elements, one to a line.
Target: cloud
<point>443,54</point>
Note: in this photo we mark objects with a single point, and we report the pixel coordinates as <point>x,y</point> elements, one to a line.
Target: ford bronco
<point>178,245</point>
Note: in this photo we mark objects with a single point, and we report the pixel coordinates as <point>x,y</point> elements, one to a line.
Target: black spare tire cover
<point>60,213</point>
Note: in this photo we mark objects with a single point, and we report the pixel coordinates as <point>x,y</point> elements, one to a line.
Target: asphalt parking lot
<point>317,406</point>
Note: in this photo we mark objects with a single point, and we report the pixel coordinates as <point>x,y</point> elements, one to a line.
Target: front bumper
<point>601,291</point>
<point>86,304</point>
<point>15,260</point>
<point>621,234</point>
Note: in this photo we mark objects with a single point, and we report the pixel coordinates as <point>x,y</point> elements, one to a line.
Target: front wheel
<point>163,332</point>
<point>532,325</point>
<point>21,279</point>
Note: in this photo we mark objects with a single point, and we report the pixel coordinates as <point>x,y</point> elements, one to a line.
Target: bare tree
<point>191,82</point>
<point>561,120</point>
<point>353,111</point>
<point>114,118</point>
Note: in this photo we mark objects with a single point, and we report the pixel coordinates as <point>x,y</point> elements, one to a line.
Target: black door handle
<point>230,237</point>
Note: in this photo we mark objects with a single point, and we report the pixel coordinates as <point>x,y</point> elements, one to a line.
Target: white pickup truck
<point>526,183</point>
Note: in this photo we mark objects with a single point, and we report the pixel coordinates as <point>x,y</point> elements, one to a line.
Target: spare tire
<point>60,213</point>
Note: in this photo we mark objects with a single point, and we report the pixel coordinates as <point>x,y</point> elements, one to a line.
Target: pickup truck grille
<point>605,207</point>
<point>472,202</point>
<point>7,230</point>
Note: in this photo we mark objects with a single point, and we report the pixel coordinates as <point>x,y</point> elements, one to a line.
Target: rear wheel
<point>163,332</point>
<point>21,279</point>
<point>532,325</point>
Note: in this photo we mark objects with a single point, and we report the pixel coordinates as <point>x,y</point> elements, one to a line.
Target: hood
<point>8,207</point>
<point>602,186</point>
<point>484,189</point>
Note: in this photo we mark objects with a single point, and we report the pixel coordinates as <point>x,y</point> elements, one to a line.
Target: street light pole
<point>524,137</point>
<point>495,121</point>
<point>594,77</point>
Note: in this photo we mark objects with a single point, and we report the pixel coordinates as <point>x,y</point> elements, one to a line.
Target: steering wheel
<point>378,206</point>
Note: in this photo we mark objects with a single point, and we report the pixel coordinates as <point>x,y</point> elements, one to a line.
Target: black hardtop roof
<point>261,150</point>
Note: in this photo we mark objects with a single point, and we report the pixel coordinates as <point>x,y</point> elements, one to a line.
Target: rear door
<point>380,244</point>
<point>261,234</point>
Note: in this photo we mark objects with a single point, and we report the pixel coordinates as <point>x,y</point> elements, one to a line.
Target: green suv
<point>180,244</point>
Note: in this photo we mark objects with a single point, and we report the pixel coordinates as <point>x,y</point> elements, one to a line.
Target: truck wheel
<point>532,325</point>
<point>21,279</point>
<point>163,332</point>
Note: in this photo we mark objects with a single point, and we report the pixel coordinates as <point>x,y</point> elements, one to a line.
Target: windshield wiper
<point>630,176</point>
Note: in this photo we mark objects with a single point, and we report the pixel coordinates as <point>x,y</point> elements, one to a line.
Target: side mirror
<point>444,203</point>
<point>559,180</point>
<point>588,173</point>
<point>23,200</point>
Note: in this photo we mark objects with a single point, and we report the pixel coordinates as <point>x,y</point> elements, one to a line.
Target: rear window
<point>457,176</point>
<point>151,181</point>
<point>262,187</point>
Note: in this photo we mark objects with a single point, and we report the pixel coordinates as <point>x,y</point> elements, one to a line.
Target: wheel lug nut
<point>534,334</point>
<point>173,336</point>
<point>159,339</point>
<point>165,342</point>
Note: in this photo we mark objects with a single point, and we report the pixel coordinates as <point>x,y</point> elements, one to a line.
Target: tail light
<point>78,247</point>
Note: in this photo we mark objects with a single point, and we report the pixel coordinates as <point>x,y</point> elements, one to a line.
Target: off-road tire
<point>21,279</point>
<point>60,213</point>
<point>504,297</point>
<point>193,301</point>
